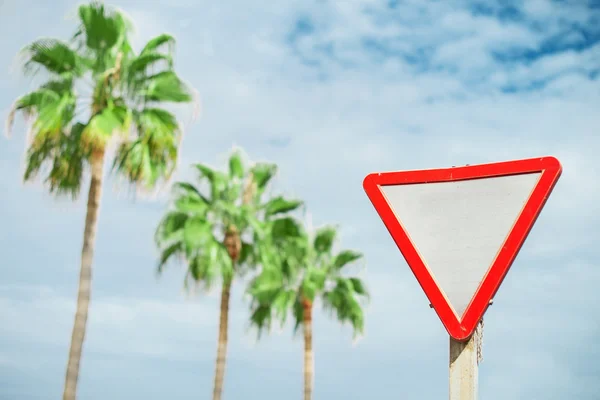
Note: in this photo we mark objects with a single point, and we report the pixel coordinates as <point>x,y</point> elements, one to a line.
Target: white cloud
<point>137,325</point>
<point>166,329</point>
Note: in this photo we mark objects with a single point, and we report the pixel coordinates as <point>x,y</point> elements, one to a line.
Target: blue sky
<point>331,91</point>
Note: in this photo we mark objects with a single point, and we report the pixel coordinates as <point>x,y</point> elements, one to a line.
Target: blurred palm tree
<point>70,131</point>
<point>221,234</point>
<point>305,268</point>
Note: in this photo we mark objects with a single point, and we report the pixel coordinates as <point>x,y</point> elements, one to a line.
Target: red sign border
<point>461,328</point>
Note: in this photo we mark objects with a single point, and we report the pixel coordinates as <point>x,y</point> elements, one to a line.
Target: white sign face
<point>459,227</point>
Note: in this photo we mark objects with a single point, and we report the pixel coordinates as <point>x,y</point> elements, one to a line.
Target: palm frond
<point>64,156</point>
<point>343,302</point>
<point>101,27</point>
<point>217,180</point>
<point>168,253</point>
<point>281,205</point>
<point>324,239</point>
<point>165,87</point>
<point>152,155</point>
<point>50,109</point>
<point>205,272</point>
<point>345,257</point>
<point>192,205</point>
<point>103,126</point>
<point>298,313</point>
<point>236,165</point>
<point>262,174</point>
<point>261,318</point>
<point>155,44</point>
<point>139,67</point>
<point>103,35</point>
<point>54,57</point>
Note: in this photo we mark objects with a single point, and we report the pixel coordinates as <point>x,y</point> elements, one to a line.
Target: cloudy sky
<point>330,90</point>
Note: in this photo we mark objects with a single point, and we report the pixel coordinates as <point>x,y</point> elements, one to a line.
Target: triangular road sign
<point>460,228</point>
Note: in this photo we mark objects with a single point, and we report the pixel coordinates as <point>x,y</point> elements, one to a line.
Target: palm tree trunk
<point>222,343</point>
<point>233,243</point>
<point>308,350</point>
<point>85,277</point>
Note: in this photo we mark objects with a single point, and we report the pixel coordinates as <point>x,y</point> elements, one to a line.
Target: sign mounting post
<point>460,229</point>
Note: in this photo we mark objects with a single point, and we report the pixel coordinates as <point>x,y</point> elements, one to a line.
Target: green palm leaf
<point>102,28</point>
<point>155,44</point>
<point>236,166</point>
<point>139,66</point>
<point>261,318</point>
<point>189,190</point>
<point>53,56</point>
<point>346,257</point>
<point>165,86</point>
<point>170,228</point>
<point>262,174</point>
<point>279,205</point>
<point>104,125</point>
<point>168,253</point>
<point>324,239</point>
<point>217,180</point>
<point>197,233</point>
<point>153,154</point>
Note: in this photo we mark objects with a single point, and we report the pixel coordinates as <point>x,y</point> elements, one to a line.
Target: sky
<point>331,91</point>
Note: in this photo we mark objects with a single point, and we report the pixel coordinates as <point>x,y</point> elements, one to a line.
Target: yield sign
<point>460,228</point>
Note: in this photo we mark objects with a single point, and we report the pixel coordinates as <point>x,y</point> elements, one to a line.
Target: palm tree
<point>307,269</point>
<point>219,234</point>
<point>70,130</point>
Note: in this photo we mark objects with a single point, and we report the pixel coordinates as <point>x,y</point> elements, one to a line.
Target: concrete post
<point>464,366</point>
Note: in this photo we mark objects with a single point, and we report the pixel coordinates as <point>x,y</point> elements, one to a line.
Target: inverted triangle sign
<point>460,228</point>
